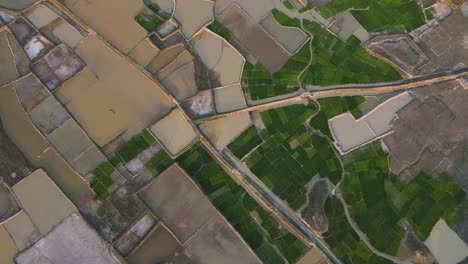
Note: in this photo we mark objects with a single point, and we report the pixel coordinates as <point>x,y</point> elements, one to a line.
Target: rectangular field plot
<point>259,229</point>
<point>177,202</point>
<point>288,153</point>
<point>378,201</point>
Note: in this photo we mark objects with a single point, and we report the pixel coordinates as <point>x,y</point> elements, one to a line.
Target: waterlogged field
<point>379,15</point>
<point>379,202</point>
<point>259,229</point>
<point>289,154</point>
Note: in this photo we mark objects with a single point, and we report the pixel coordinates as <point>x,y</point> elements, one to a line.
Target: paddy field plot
<point>43,201</point>
<point>159,246</point>
<point>73,240</point>
<point>7,60</point>
<point>18,126</point>
<point>144,52</point>
<point>8,204</point>
<point>291,38</point>
<point>345,25</point>
<point>112,19</point>
<point>178,202</point>
<point>99,98</point>
<point>8,249</point>
<point>219,56</point>
<point>174,132</point>
<point>22,230</point>
<point>270,242</point>
<point>48,115</point>
<point>193,15</point>
<point>255,9</point>
<point>254,38</point>
<point>229,98</point>
<point>60,30</point>
<point>181,83</point>
<point>165,57</point>
<point>222,131</point>
<point>40,15</point>
<point>314,256</point>
<point>216,242</point>
<point>16,4</point>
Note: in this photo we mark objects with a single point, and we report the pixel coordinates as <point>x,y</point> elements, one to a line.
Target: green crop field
<point>149,23</point>
<point>333,106</point>
<point>135,146</point>
<point>159,163</point>
<point>262,235</point>
<point>379,202</point>
<point>338,62</point>
<point>102,180</point>
<point>288,153</point>
<point>379,15</point>
<point>345,243</point>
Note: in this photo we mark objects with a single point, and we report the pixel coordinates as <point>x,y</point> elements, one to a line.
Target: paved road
<point>349,90</point>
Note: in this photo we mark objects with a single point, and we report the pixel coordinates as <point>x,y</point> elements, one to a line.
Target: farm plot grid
<point>271,242</point>
<point>287,154</point>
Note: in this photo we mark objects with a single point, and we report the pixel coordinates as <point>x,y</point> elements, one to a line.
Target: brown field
<point>41,15</point>
<point>413,249</point>
<point>43,201</point>
<point>159,247</point>
<point>181,83</point>
<point>8,249</point>
<point>16,4</point>
<point>113,19</point>
<point>48,115</point>
<point>100,99</point>
<point>216,242</point>
<point>36,149</point>
<point>314,256</point>
<point>59,31</point>
<point>8,204</point>
<point>422,141</point>
<point>224,130</point>
<point>164,58</point>
<point>253,38</point>
<point>313,212</point>
<point>8,71</point>
<point>22,230</point>
<point>144,53</point>
<point>182,59</point>
<point>193,15</point>
<point>289,37</point>
<point>174,132</point>
<point>229,98</point>
<point>345,25</point>
<point>178,202</point>
<point>21,59</point>
<point>255,9</point>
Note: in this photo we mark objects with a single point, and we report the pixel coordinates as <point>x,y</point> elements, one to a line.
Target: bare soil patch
<point>313,211</point>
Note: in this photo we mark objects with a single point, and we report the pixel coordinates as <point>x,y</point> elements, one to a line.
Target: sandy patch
<point>8,71</point>
<point>43,201</point>
<point>156,248</point>
<point>199,105</point>
<point>113,19</point>
<point>445,244</point>
<point>144,53</point>
<point>22,230</point>
<point>164,58</point>
<point>255,9</point>
<point>216,242</point>
<point>224,130</point>
<point>181,83</point>
<point>37,150</point>
<point>350,133</point>
<point>73,241</point>
<point>8,249</point>
<point>193,15</point>
<point>254,38</point>
<point>289,37</point>
<point>229,98</point>
<point>16,4</point>
<point>178,202</point>
<point>41,15</point>
<point>100,97</point>
<point>174,132</point>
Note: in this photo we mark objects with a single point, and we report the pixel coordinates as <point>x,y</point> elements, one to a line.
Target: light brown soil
<point>100,99</point>
<point>164,58</point>
<point>222,131</point>
<point>229,98</point>
<point>178,202</point>
<point>181,83</point>
<point>289,37</point>
<point>193,15</point>
<point>22,230</point>
<point>41,15</point>
<point>8,249</point>
<point>8,71</point>
<point>144,53</point>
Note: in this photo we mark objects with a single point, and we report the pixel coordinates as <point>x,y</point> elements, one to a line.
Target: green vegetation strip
<point>380,202</point>
<point>379,15</point>
<point>159,163</point>
<point>259,229</point>
<point>149,23</point>
<point>288,153</point>
<point>102,180</point>
<point>136,145</point>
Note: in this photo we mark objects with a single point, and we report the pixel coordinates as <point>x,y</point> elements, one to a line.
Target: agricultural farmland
<point>263,234</point>
<point>379,15</point>
<point>287,147</point>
